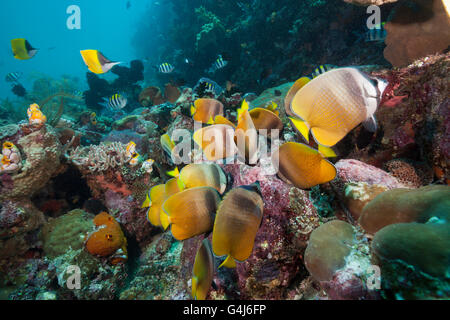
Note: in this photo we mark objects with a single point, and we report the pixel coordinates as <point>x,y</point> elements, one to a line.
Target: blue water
<point>105,25</point>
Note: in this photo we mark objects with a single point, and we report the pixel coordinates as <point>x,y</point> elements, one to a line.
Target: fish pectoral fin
<point>301,127</point>
<point>371,124</point>
<point>228,263</point>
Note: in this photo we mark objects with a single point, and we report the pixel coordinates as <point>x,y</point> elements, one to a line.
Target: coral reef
<point>75,177</point>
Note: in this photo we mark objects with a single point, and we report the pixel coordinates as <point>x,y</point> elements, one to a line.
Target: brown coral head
<point>171,93</point>
<point>417,31</point>
<point>151,96</point>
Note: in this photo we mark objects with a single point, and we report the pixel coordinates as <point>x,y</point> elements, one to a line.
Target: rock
<point>349,170</point>
<point>357,183</point>
<point>414,259</point>
<point>19,222</point>
<point>159,275</point>
<point>358,195</point>
<point>404,205</point>
<point>338,257</point>
<point>415,32</point>
<point>410,174</point>
<point>41,150</point>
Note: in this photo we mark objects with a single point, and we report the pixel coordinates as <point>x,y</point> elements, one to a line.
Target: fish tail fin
<point>228,263</point>
<point>302,127</point>
<point>192,110</point>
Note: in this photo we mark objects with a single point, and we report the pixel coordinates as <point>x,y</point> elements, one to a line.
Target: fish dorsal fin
<point>243,108</point>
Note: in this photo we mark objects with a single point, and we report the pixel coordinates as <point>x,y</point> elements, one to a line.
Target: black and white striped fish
<point>377,33</point>
<point>13,77</point>
<point>117,102</point>
<point>165,68</point>
<point>218,64</point>
<point>322,69</point>
<point>78,93</point>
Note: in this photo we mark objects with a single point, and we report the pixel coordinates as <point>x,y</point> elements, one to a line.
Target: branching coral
<point>99,158</point>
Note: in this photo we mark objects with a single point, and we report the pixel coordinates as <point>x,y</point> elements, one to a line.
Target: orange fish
<point>35,115</point>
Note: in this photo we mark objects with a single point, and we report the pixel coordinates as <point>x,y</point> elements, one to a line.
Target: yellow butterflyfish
<point>204,110</point>
<point>204,175</point>
<point>96,61</point>
<point>303,166</point>
<point>22,49</point>
<point>216,141</point>
<point>265,119</point>
<point>191,212</point>
<point>335,103</point>
<point>237,222</point>
<point>203,271</point>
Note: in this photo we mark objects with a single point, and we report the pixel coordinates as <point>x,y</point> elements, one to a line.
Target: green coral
<point>414,259</point>
<point>210,30</point>
<point>322,201</point>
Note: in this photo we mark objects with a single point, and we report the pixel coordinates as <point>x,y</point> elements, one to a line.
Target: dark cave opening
<point>63,193</point>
